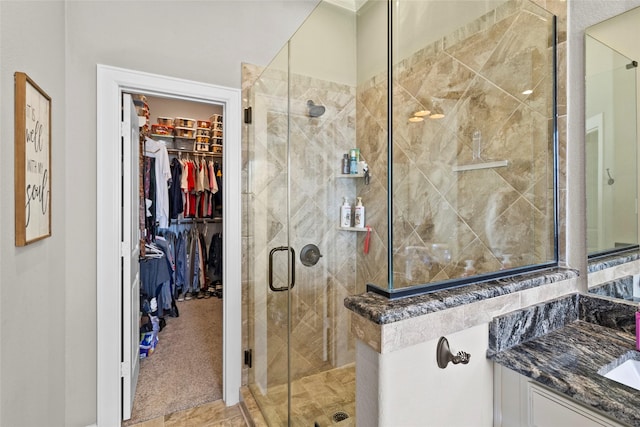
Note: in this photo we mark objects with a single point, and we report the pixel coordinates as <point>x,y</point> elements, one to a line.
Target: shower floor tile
<point>315,399</point>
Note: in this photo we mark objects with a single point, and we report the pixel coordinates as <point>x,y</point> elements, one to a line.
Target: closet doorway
<point>178,341</point>
<point>112,83</point>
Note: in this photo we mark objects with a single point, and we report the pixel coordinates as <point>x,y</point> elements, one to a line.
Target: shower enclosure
<point>461,186</point>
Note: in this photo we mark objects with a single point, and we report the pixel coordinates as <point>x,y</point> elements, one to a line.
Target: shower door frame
<point>260,320</point>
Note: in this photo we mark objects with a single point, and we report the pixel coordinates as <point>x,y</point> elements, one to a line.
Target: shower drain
<point>340,416</point>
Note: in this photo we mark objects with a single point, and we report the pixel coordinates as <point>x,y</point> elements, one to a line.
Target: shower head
<point>315,110</point>
<point>632,64</point>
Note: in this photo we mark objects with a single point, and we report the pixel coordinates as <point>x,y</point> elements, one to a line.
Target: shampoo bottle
<point>345,213</point>
<point>345,164</point>
<point>358,216</point>
<point>353,161</point>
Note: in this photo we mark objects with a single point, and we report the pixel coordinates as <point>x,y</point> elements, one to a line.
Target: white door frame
<point>111,82</point>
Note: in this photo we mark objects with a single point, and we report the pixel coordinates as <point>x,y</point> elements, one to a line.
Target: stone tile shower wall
<point>320,331</point>
<point>442,218</point>
<point>366,124</point>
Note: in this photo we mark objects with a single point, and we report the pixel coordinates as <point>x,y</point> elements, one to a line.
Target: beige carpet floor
<point>185,370</point>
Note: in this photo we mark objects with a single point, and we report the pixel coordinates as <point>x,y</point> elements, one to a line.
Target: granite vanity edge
<point>381,310</point>
<point>621,288</point>
<point>599,264</point>
<point>528,323</point>
<point>607,312</point>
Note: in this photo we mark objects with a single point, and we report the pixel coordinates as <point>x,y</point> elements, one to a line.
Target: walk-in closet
<point>180,222</point>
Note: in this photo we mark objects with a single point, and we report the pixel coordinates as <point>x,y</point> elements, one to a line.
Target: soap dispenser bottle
<point>358,217</point>
<point>345,214</point>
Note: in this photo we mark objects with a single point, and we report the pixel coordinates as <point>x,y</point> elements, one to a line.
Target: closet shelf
<point>483,165</point>
<point>194,152</point>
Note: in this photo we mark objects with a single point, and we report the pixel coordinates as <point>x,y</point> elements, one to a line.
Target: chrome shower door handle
<point>292,253</point>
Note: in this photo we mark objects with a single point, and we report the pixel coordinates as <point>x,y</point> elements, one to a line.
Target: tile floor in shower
<point>315,399</point>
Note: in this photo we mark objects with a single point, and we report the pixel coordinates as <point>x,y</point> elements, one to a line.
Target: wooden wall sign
<point>32,161</point>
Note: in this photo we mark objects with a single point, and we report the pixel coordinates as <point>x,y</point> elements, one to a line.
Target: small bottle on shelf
<point>345,164</point>
<point>353,161</point>
<point>345,214</point>
<point>358,217</point>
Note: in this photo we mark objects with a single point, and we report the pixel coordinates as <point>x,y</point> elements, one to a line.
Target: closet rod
<point>196,153</point>
<point>196,221</point>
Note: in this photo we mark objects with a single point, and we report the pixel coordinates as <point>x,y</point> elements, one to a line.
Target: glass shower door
<point>300,265</point>
<point>269,264</point>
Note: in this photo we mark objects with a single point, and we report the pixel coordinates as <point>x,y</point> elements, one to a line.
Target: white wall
<point>32,295</point>
<point>419,393</point>
<point>325,46</point>
<point>413,391</point>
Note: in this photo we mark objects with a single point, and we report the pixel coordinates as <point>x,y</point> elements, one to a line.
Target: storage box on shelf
<point>187,135</point>
<point>216,135</point>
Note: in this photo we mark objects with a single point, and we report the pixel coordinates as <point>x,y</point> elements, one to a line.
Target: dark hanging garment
<point>215,255</point>
<point>218,196</point>
<point>175,192</point>
<point>150,194</point>
<point>203,245</point>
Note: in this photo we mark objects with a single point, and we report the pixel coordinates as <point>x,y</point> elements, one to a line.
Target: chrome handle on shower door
<point>293,268</point>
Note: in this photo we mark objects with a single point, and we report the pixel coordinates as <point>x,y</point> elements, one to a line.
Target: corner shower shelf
<point>483,165</point>
<point>350,175</point>
<point>352,229</point>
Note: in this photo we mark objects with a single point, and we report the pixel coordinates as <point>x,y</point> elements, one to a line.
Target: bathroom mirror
<point>611,138</point>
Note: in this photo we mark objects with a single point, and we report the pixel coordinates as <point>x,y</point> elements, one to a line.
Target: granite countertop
<point>567,361</point>
<point>382,310</point>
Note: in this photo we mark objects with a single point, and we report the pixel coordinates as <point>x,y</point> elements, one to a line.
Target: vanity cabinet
<point>520,401</point>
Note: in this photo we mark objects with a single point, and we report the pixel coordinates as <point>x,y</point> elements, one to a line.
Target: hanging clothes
<point>190,193</point>
<point>176,204</point>
<point>215,255</point>
<point>218,194</point>
<point>149,197</point>
<point>158,151</point>
<point>181,260</point>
